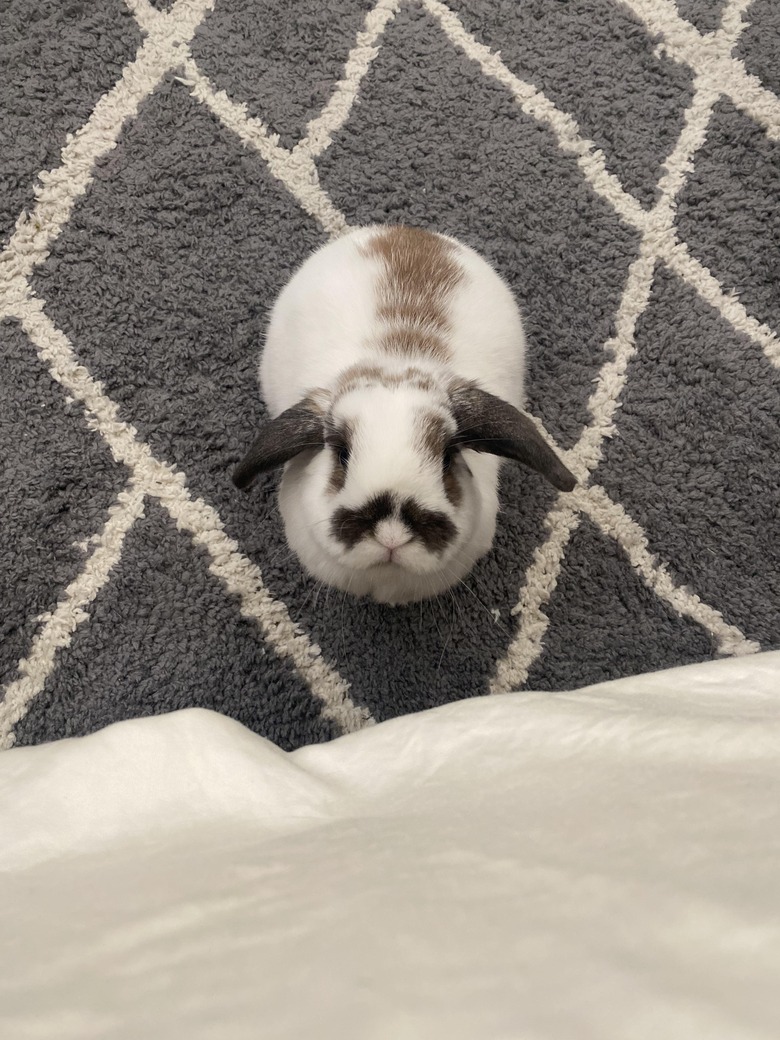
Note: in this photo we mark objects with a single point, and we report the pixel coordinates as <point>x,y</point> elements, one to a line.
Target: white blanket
<point>597,864</point>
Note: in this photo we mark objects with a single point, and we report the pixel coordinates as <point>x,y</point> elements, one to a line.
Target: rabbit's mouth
<point>406,558</point>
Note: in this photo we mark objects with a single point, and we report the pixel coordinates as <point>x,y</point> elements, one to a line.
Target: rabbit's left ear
<point>488,423</point>
<point>286,436</point>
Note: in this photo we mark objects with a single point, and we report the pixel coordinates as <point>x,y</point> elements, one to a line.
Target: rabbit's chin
<point>387,583</point>
<point>390,583</point>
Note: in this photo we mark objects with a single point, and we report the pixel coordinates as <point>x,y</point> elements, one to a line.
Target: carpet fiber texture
<point>164,170</point>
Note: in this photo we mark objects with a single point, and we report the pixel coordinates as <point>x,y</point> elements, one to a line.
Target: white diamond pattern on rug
<point>498,627</point>
<point>746,204</point>
<point>626,96</point>
<point>690,371</point>
<point>602,614</point>
<point>284,57</point>
<point>222,662</point>
<point>57,484</point>
<point>87,43</point>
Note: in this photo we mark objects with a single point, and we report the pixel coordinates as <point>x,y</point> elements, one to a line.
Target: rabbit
<point>393,373</point>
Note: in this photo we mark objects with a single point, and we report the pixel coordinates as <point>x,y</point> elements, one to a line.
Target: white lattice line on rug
<point>149,18</point>
<point>58,626</point>
<point>541,578</point>
<point>62,186</point>
<point>710,57</point>
<point>320,130</point>
<point>295,170</point>
<point>612,519</point>
<point>164,49</point>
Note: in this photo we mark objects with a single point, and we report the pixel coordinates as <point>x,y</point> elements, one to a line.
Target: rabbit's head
<point>390,477</point>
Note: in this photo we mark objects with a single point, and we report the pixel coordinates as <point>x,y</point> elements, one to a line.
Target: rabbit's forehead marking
<point>420,272</point>
<point>411,340</point>
<point>339,431</point>
<point>364,375</point>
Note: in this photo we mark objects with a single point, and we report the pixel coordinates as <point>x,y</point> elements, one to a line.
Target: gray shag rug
<point>164,170</point>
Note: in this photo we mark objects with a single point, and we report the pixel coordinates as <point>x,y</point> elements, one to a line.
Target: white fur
<point>324,322</point>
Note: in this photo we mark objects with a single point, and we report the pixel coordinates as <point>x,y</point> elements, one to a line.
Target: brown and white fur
<point>393,372</point>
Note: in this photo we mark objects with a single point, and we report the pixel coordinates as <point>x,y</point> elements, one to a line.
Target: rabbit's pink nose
<point>392,535</point>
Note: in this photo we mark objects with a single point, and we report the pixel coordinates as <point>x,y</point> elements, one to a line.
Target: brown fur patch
<point>420,275</point>
<point>317,401</point>
<point>413,340</point>
<point>452,488</point>
<point>435,434</point>
<point>338,477</point>
<point>337,438</point>
<point>374,375</point>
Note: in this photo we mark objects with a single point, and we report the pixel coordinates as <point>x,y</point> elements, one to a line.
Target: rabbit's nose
<point>392,534</point>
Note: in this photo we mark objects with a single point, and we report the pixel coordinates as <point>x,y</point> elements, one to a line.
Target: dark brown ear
<point>486,423</point>
<point>280,440</point>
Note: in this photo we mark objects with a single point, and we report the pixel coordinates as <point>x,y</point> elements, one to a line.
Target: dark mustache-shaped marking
<point>434,529</point>
<point>350,525</point>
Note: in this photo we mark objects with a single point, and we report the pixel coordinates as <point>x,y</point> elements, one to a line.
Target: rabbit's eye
<point>342,452</point>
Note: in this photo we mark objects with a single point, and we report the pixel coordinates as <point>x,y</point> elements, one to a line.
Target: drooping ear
<point>487,423</point>
<point>280,440</point>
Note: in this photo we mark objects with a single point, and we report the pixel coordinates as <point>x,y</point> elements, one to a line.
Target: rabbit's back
<point>398,293</point>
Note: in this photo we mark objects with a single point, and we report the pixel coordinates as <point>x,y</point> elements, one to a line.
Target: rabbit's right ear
<point>286,436</point>
<point>491,424</point>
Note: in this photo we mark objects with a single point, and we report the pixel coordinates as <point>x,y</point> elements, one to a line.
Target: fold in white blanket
<point>597,864</point>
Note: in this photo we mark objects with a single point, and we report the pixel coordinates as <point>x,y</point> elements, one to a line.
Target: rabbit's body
<point>326,320</point>
<point>393,373</point>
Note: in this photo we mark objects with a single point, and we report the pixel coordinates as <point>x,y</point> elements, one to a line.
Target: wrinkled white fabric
<point>598,864</point>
